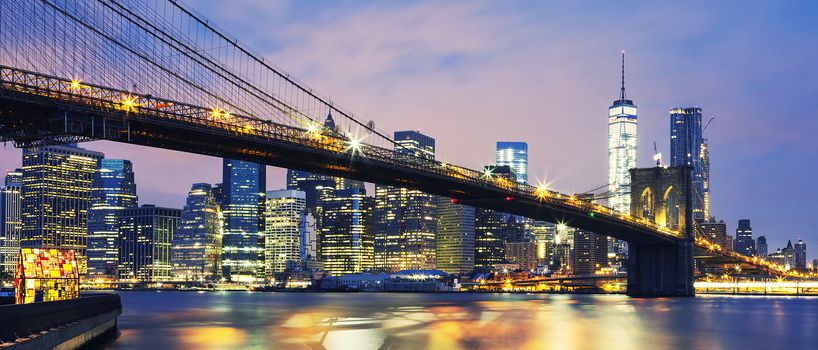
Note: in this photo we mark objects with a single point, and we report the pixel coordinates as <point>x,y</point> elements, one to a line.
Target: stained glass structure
<point>46,275</point>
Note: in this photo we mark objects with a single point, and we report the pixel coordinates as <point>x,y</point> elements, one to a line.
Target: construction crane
<point>708,123</point>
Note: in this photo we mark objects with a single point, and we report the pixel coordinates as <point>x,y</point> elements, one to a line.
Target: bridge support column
<point>660,270</point>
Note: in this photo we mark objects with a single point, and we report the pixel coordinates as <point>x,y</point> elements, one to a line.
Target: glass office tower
<point>197,244</point>
<point>686,150</point>
<point>515,156</point>
<point>243,186</point>
<point>285,217</point>
<point>455,237</point>
<point>113,190</point>
<point>622,142</point>
<point>145,239</point>
<point>347,242</point>
<point>10,222</point>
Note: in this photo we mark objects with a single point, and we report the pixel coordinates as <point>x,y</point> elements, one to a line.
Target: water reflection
<point>459,321</point>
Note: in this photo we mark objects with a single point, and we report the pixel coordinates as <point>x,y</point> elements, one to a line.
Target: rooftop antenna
<point>622,89</point>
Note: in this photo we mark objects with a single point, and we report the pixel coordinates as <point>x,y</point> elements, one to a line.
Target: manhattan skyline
<point>552,91</point>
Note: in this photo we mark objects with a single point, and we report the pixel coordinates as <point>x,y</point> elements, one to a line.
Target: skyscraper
<point>405,222</point>
<point>56,195</point>
<point>686,150</point>
<point>800,255</point>
<point>489,238</point>
<point>705,157</point>
<point>244,186</point>
<point>197,242</point>
<point>10,222</point>
<point>544,233</point>
<point>346,240</point>
<point>515,156</point>
<point>455,237</point>
<point>744,238</point>
<point>590,252</point>
<point>113,190</point>
<point>622,143</point>
<point>492,229</point>
<point>285,217</point>
<point>145,239</point>
<point>761,247</point>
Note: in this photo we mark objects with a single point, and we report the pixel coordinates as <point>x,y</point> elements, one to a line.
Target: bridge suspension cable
<point>164,49</point>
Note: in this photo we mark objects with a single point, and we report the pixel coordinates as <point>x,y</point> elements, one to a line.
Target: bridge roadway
<point>38,109</point>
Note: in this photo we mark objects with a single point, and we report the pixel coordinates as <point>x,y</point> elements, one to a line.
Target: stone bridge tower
<point>663,195</point>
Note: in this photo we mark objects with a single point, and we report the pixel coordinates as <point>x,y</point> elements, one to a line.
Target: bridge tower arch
<point>662,195</point>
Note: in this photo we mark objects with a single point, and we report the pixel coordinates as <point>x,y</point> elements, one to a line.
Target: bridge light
<point>128,102</point>
<point>508,198</point>
<point>314,130</point>
<point>76,84</point>
<point>591,214</point>
<point>453,200</point>
<point>354,144</point>
<point>487,172</point>
<point>215,113</point>
<point>541,191</point>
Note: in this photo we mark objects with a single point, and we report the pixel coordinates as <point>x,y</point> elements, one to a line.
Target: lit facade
<point>522,253</point>
<point>455,237</point>
<point>197,242</point>
<point>590,253</point>
<point>346,239</point>
<point>490,231</point>
<point>784,257</point>
<point>544,233</point>
<point>744,238</point>
<point>515,156</point>
<point>145,236</point>
<point>405,222</point>
<point>800,254</point>
<point>244,186</point>
<point>622,143</point>
<point>284,228</point>
<point>705,157</point>
<point>686,150</point>
<point>10,222</point>
<point>715,232</point>
<point>56,195</point>
<point>113,190</point>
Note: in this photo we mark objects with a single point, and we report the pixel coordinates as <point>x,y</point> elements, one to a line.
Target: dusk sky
<point>472,73</point>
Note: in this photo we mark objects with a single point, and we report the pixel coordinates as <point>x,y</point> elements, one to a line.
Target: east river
<point>244,320</point>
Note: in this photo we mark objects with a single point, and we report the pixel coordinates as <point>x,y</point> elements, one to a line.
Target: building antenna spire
<point>622,89</point>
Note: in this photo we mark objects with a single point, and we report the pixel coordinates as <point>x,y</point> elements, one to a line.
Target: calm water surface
<point>242,320</point>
